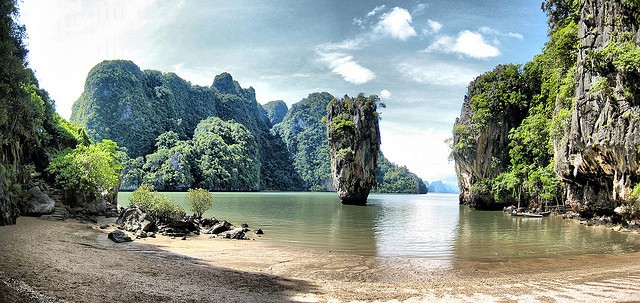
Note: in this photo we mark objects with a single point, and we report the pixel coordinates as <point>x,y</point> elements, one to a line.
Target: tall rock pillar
<point>354,142</point>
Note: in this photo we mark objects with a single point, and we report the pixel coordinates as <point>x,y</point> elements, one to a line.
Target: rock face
<point>275,111</point>
<point>598,158</point>
<point>480,148</point>
<point>38,202</point>
<point>354,143</point>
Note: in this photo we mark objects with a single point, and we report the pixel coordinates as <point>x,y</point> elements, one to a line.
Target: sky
<point>417,56</point>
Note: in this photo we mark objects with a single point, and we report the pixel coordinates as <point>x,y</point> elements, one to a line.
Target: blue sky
<point>418,56</point>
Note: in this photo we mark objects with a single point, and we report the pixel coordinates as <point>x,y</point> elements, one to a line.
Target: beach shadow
<point>86,268</point>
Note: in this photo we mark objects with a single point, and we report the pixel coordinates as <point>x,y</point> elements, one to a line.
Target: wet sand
<point>43,261</point>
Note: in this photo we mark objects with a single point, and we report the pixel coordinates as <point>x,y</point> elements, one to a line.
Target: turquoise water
<point>430,226</point>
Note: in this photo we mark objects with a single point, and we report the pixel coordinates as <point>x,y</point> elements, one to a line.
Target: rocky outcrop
<point>480,144</point>
<point>39,203</point>
<point>354,142</point>
<point>598,158</point>
<point>275,111</point>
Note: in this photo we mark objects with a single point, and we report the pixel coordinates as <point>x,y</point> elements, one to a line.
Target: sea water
<point>430,226</point>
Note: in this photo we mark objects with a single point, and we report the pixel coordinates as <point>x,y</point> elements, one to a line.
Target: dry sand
<point>43,261</point>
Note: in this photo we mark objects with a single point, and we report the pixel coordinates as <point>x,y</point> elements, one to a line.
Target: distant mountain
<point>275,111</point>
<point>440,187</point>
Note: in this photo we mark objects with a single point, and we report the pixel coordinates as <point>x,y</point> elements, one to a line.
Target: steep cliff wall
<point>354,143</point>
<point>598,158</point>
<point>495,103</point>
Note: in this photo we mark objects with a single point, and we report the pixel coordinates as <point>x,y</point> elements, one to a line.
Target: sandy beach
<point>44,261</point>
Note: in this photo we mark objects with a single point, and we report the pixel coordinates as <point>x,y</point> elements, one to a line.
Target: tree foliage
<point>221,156</point>
<point>392,178</point>
<point>200,200</point>
<point>157,206</point>
<point>88,170</point>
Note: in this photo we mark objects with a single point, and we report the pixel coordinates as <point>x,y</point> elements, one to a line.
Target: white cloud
<point>420,9</point>
<point>396,23</point>
<point>489,31</point>
<point>375,10</point>
<point>344,65</point>
<point>347,44</point>
<point>467,43</point>
<point>442,74</point>
<point>434,25</point>
<point>384,94</point>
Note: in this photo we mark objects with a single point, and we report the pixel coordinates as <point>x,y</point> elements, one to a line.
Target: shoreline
<point>70,261</point>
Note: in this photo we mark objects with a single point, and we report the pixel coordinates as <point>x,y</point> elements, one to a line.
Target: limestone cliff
<point>480,134</point>
<point>354,142</point>
<point>597,158</point>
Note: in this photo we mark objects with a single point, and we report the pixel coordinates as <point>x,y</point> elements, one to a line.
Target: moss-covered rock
<point>354,143</point>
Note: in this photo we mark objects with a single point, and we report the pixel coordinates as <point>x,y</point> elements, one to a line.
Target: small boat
<point>517,214</point>
<point>532,215</point>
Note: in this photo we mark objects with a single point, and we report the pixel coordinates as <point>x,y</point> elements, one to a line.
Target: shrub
<point>87,170</point>
<point>156,205</point>
<point>200,200</point>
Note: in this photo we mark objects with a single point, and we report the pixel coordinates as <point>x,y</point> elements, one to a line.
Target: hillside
<point>134,107</point>
<point>440,187</point>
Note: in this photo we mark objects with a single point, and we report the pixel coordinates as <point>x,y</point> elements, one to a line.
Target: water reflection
<point>352,229</point>
<point>431,227</point>
<point>417,227</point>
<point>494,236</point>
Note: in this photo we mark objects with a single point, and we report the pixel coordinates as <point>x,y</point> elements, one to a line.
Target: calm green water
<point>430,226</point>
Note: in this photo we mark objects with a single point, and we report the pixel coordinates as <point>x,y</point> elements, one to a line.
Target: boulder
<point>179,229</point>
<point>236,233</point>
<point>219,227</point>
<point>119,236</point>
<point>39,203</point>
<point>148,226</point>
<point>208,222</point>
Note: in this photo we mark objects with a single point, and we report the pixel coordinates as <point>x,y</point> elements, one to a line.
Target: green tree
<point>157,206</point>
<point>170,166</point>
<point>200,200</point>
<point>87,170</point>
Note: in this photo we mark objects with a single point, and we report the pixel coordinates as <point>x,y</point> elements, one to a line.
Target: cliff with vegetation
<point>598,156</point>
<point>496,102</point>
<point>573,137</point>
<point>354,143</point>
<point>134,107</point>
<point>275,111</point>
